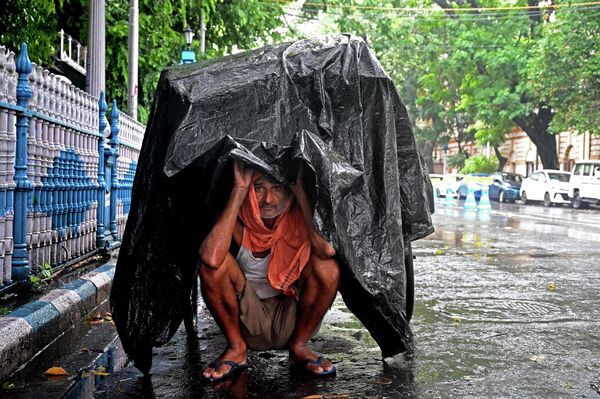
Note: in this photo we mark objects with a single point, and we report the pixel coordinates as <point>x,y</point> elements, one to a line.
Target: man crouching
<point>274,292</point>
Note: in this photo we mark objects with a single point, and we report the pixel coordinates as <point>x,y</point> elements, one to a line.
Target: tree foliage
<point>230,25</point>
<point>475,74</point>
<point>480,164</point>
<point>37,23</point>
<point>564,70</point>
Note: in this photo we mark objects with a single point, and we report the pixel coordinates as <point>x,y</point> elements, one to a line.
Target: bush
<point>457,160</point>
<point>480,164</point>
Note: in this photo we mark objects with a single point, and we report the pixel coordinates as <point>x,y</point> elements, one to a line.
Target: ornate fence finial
<point>102,108</point>
<point>114,124</point>
<point>23,67</point>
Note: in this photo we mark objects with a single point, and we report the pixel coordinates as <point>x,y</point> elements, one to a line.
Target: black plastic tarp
<point>326,102</point>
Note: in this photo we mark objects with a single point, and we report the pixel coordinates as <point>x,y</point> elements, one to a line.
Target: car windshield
<point>562,177</point>
<point>511,177</point>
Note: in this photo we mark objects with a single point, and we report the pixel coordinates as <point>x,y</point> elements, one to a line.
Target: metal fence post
<point>102,124</point>
<point>114,189</point>
<point>20,263</point>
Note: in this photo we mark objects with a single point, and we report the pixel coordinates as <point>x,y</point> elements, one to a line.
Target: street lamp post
<point>188,55</point>
<point>445,168</point>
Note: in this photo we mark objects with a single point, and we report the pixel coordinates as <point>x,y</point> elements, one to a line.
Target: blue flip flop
<point>317,362</point>
<point>233,370</point>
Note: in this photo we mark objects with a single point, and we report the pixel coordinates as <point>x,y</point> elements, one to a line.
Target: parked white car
<point>547,185</point>
<point>585,184</point>
<point>449,185</point>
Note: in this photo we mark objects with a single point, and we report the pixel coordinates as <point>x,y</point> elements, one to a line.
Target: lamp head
<point>189,35</point>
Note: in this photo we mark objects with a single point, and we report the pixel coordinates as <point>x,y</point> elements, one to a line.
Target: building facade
<point>522,153</point>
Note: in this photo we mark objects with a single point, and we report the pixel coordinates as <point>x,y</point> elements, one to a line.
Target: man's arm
<point>215,246</point>
<point>318,245</point>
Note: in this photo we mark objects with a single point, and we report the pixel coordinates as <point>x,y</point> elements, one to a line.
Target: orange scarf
<point>288,241</point>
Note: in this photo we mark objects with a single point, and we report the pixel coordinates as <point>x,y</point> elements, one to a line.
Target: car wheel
<point>576,201</point>
<point>501,196</point>
<point>410,281</point>
<point>523,197</point>
<point>547,201</point>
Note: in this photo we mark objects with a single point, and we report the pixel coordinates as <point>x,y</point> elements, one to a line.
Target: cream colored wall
<point>519,149</point>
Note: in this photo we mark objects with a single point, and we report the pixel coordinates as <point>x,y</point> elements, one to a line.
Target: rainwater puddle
<point>85,383</point>
<point>509,310</point>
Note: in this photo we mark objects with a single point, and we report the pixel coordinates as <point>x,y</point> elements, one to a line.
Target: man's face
<point>271,196</point>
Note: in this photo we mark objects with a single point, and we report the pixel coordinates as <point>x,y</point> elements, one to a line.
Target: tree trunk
<point>536,127</point>
<point>426,150</point>
<point>501,159</point>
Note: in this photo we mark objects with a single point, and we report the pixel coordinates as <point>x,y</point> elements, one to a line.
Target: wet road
<point>508,304</point>
<point>506,307</point>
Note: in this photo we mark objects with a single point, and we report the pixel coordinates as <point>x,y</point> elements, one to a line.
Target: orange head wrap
<point>288,240</point>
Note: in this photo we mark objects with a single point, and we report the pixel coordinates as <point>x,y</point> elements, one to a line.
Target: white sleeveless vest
<point>256,270</point>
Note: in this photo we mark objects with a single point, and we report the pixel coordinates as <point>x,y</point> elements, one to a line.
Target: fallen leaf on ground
<point>327,396</point>
<point>96,318</point>
<point>56,371</point>
<point>85,350</point>
<point>99,373</point>
<point>537,358</point>
<point>551,287</point>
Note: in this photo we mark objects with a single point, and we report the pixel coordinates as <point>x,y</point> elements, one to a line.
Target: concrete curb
<point>30,328</point>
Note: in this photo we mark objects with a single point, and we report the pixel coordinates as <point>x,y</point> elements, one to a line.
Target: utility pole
<point>202,33</point>
<point>95,76</point>
<point>134,43</point>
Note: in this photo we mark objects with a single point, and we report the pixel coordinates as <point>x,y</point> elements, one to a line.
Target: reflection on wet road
<point>507,303</point>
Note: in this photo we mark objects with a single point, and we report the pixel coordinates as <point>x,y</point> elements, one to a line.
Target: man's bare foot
<point>310,361</point>
<point>225,364</point>
<point>320,246</point>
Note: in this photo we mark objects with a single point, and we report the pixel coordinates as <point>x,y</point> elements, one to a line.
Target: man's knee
<point>326,271</point>
<point>227,274</point>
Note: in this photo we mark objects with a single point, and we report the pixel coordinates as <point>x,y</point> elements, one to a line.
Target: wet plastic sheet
<point>326,102</point>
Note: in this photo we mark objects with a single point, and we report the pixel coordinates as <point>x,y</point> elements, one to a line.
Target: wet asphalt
<point>506,306</point>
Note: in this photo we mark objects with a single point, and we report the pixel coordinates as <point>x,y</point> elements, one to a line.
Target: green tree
<point>480,164</point>
<point>564,69</point>
<point>421,60</point>
<point>231,25</point>
<point>484,71</point>
<point>37,23</point>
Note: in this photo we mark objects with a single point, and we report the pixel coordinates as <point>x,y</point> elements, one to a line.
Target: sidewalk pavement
<point>97,366</point>
<point>32,327</point>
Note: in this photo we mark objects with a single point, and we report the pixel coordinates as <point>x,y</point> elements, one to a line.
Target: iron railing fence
<point>66,171</point>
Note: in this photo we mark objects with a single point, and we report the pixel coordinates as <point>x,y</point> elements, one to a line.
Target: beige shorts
<point>266,323</point>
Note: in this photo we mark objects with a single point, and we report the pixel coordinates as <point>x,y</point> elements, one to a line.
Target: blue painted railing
<point>66,171</point>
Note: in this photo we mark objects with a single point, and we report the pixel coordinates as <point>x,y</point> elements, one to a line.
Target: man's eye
<point>258,188</point>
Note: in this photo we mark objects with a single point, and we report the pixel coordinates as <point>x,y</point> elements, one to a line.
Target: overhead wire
<point>413,9</point>
<point>521,12</point>
<point>418,16</point>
